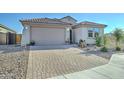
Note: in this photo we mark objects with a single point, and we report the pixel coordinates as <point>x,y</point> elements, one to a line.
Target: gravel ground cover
<point>13,62</point>
<point>96,50</point>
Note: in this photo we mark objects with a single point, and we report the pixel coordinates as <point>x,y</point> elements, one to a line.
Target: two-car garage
<point>44,31</point>
<point>48,36</point>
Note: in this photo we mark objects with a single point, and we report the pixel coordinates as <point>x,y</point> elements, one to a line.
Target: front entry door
<point>71,37</point>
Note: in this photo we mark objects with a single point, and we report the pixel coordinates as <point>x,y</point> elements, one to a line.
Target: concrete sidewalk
<point>52,47</point>
<point>113,70</point>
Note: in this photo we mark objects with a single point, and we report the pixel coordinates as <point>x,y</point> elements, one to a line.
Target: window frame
<point>93,30</point>
<point>90,33</point>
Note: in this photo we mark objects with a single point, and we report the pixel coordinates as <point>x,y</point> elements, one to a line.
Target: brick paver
<point>112,70</point>
<point>50,63</point>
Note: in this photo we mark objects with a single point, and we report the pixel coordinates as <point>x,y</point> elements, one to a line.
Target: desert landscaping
<point>51,47</point>
<point>15,60</point>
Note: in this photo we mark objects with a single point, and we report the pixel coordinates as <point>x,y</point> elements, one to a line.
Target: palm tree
<point>118,33</point>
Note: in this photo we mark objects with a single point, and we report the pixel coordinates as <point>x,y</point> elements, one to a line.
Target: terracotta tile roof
<point>45,21</point>
<point>69,17</point>
<point>90,23</point>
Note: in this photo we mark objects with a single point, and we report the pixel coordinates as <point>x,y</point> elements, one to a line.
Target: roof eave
<point>29,22</point>
<point>80,25</point>
<point>5,27</point>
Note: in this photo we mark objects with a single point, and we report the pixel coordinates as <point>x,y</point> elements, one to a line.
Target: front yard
<point>18,63</point>
<point>96,51</point>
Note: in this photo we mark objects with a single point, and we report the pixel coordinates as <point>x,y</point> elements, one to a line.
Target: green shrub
<point>104,49</point>
<point>118,49</point>
<point>98,41</point>
<point>119,35</point>
<point>32,43</point>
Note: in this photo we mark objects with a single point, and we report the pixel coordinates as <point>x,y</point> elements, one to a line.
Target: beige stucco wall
<point>82,33</point>
<point>48,36</point>
<point>67,35</point>
<point>25,35</point>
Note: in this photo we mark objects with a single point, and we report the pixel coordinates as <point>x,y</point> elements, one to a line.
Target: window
<point>90,33</point>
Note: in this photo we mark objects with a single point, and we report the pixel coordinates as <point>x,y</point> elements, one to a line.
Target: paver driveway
<point>49,63</point>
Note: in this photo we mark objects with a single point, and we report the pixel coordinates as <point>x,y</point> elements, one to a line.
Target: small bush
<point>104,49</point>
<point>98,41</point>
<point>32,43</point>
<point>118,49</point>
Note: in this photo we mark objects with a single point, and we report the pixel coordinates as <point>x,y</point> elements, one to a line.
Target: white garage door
<point>47,36</point>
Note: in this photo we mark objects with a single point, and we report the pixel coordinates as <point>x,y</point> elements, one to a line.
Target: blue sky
<point>113,20</point>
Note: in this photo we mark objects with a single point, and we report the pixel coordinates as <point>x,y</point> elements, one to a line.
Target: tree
<point>118,34</point>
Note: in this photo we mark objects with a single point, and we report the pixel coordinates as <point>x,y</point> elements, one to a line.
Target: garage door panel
<point>46,36</point>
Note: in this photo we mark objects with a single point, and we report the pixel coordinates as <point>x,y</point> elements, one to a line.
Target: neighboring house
<point>46,31</point>
<point>7,35</point>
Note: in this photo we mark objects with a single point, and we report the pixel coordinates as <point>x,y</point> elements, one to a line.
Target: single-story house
<point>46,31</point>
<point>7,35</point>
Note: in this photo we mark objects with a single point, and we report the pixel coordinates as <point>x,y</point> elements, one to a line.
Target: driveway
<point>50,63</point>
<point>112,70</point>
